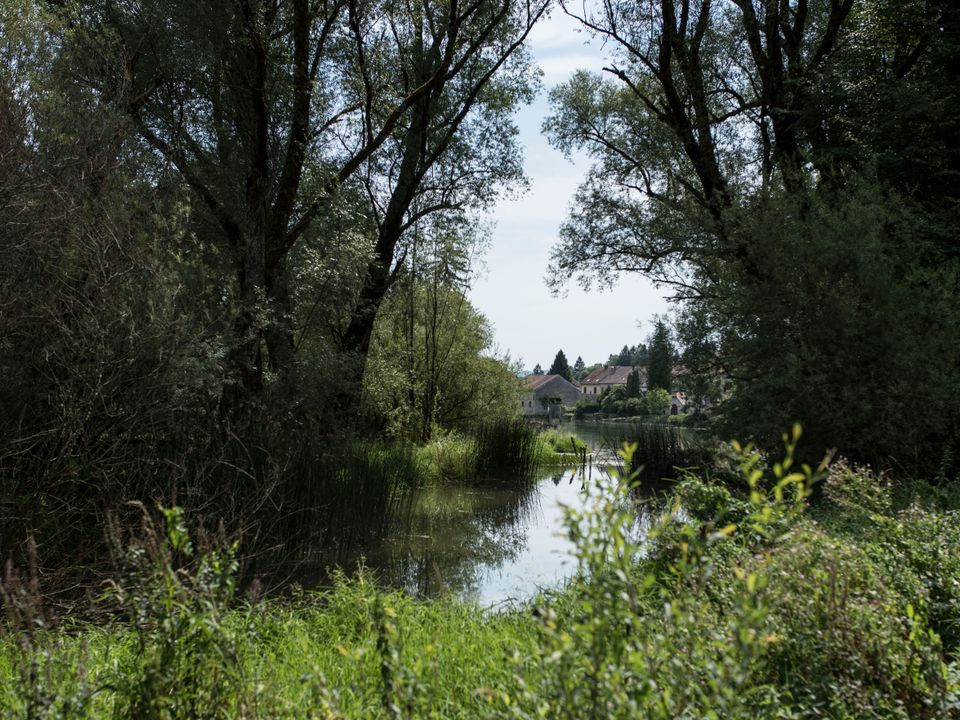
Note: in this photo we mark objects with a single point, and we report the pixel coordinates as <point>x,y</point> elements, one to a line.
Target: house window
<point>594,390</point>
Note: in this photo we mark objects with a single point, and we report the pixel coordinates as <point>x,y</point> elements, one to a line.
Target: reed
<point>661,449</point>
<point>507,450</point>
<point>309,503</point>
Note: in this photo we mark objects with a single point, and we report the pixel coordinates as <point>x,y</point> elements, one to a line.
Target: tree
<point>439,160</point>
<point>428,368</point>
<point>537,370</point>
<point>700,358</point>
<point>660,358</point>
<point>658,402</point>
<point>579,368</point>
<point>560,366</point>
<point>266,110</point>
<point>633,384</point>
<point>732,141</point>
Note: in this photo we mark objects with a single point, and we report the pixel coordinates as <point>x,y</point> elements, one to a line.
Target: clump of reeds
<point>345,495</point>
<point>507,450</point>
<point>661,449</point>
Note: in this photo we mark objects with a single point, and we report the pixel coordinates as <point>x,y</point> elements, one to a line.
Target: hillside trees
<point>742,158</point>
<point>267,110</point>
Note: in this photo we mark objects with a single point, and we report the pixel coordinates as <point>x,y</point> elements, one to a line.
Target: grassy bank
<point>745,605</point>
<point>511,450</point>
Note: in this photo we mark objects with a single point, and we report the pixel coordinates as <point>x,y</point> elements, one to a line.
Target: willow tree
<point>453,153</point>
<point>265,109</point>
<point>788,169</point>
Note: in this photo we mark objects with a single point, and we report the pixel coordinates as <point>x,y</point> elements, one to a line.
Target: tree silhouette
<point>560,366</point>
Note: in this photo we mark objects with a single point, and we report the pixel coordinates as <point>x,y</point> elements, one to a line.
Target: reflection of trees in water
<point>471,530</point>
<point>460,532</point>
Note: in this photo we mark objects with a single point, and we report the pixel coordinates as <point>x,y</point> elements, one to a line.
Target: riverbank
<point>748,604</point>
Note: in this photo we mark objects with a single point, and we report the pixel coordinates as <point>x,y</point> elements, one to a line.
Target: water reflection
<point>491,541</point>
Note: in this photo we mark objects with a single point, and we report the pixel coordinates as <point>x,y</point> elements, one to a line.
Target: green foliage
<point>184,661</point>
<point>722,186</point>
<point>448,456</point>
<point>429,368</point>
<point>657,401</point>
<point>561,367</point>
<point>731,602</point>
<point>880,317</point>
<point>586,406</point>
<point>660,359</point>
<point>562,442</point>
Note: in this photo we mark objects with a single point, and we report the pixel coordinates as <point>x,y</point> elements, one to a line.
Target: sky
<point>529,323</point>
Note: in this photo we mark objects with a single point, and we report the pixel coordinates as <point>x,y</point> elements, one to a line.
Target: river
<point>488,541</point>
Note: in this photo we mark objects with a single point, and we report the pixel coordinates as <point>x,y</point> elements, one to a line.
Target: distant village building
<point>678,403</point>
<point>609,377</point>
<point>548,395</point>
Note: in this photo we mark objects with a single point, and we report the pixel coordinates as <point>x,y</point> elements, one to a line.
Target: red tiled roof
<point>612,375</point>
<point>532,382</point>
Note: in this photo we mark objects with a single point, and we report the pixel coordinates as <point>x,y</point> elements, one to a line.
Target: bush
<point>729,602</point>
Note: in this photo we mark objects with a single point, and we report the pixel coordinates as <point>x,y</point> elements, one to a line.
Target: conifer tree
<point>659,358</point>
<point>560,366</point>
<point>579,368</point>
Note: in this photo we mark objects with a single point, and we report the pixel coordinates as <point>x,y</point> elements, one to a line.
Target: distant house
<point>609,377</point>
<point>548,395</point>
<point>678,403</point>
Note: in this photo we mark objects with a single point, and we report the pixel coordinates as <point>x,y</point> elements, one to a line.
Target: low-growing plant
<point>184,661</point>
<point>634,638</point>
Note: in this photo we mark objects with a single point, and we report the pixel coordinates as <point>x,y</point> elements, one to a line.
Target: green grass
<point>561,449</point>
<point>747,604</point>
<point>449,457</point>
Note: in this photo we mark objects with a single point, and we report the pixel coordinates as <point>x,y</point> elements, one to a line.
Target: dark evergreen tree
<point>659,357</point>
<point>579,368</point>
<point>639,356</point>
<point>633,384</point>
<point>560,366</point>
<point>537,370</point>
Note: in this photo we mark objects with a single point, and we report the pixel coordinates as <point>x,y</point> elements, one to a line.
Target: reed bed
<point>507,450</point>
<point>662,449</point>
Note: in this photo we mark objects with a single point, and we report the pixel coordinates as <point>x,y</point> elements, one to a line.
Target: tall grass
<point>342,496</point>
<point>309,503</point>
<point>507,450</point>
<point>719,611</point>
<point>661,449</point>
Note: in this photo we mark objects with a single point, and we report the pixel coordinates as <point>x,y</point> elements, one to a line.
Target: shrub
<point>185,661</point>
<point>633,406</point>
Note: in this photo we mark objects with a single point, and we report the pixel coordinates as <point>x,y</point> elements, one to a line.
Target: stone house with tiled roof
<point>548,395</point>
<point>608,377</point>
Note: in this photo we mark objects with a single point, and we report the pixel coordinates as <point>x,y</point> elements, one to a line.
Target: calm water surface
<point>489,541</point>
